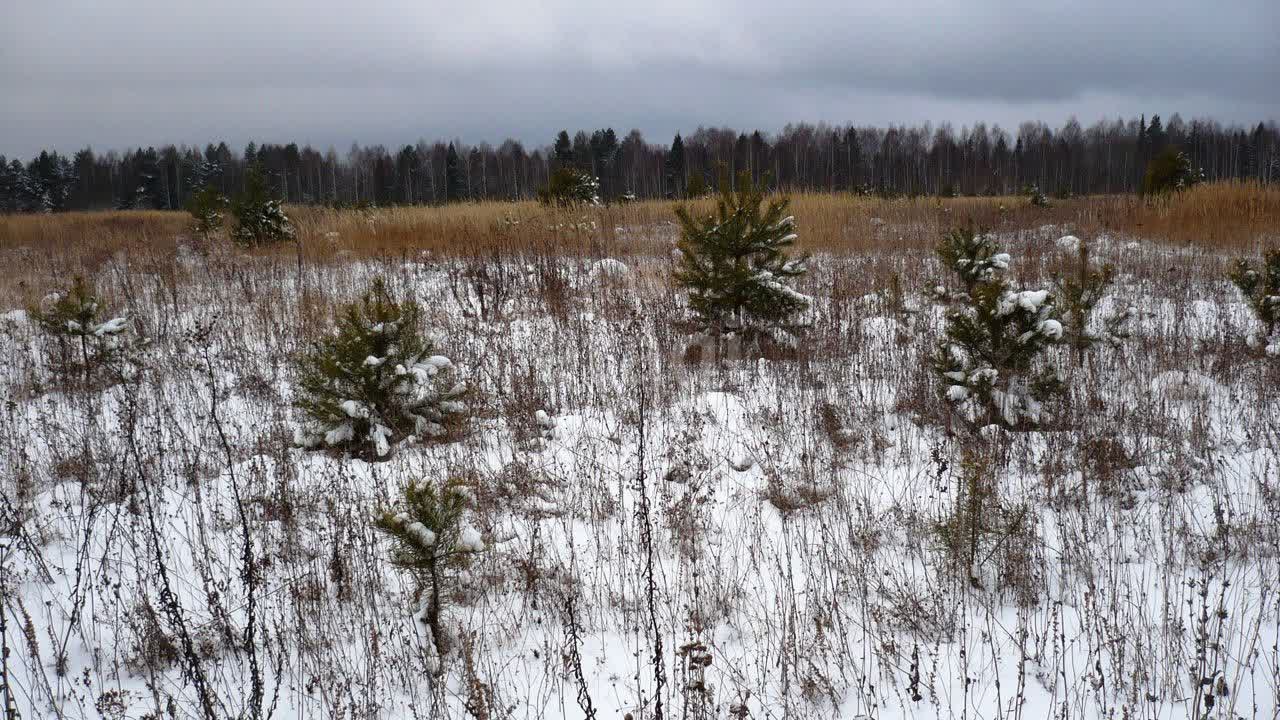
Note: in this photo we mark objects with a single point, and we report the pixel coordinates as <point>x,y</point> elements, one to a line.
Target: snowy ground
<point>752,538</point>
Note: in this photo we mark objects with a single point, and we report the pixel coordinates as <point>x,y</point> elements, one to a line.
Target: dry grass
<point>1239,217</point>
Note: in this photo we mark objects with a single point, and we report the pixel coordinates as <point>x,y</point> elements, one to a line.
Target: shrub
<point>1079,290</point>
<point>994,337</point>
<point>74,319</point>
<point>734,263</point>
<point>982,528</point>
<point>1036,195</point>
<point>431,541</point>
<point>569,187</point>
<point>206,208</point>
<point>375,382</point>
<point>1169,171</point>
<point>1261,290</point>
<point>260,219</point>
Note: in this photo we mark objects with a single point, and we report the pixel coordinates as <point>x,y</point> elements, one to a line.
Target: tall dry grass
<point>1234,217</point>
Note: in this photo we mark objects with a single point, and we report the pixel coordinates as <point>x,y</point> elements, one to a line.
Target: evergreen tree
<point>1261,290</point>
<point>259,218</point>
<point>86,342</point>
<point>49,180</point>
<point>675,167</point>
<point>1169,171</point>
<point>569,187</point>
<point>206,206</point>
<point>734,263</point>
<point>454,185</point>
<point>13,187</point>
<point>697,185</point>
<point>1156,136</point>
<point>1079,289</point>
<point>432,542</point>
<point>562,152</point>
<point>994,337</point>
<point>8,187</point>
<point>375,381</point>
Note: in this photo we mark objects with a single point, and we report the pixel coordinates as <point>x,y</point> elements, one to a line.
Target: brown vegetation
<point>1233,216</point>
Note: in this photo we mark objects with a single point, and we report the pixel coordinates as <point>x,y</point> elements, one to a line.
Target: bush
<point>87,343</point>
<point>1036,195</point>
<point>375,382</point>
<point>569,187</point>
<point>983,529</point>
<point>206,208</point>
<point>1078,291</point>
<point>1169,171</point>
<point>734,263</point>
<point>431,541</point>
<point>994,337</point>
<point>260,219</point>
<point>1261,290</point>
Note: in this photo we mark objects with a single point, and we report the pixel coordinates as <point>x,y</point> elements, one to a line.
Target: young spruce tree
<point>994,337</point>
<point>735,264</point>
<point>375,381</point>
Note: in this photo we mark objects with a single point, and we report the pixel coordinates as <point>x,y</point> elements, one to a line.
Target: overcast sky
<point>119,73</point>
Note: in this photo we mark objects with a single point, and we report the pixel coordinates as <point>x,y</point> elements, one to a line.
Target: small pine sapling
<point>260,219</point>
<point>1078,290</point>
<point>207,208</point>
<point>375,381</point>
<point>981,527</point>
<point>1037,196</point>
<point>1261,290</point>
<point>569,187</point>
<point>1171,171</point>
<point>994,338</point>
<point>86,341</point>
<point>431,542</point>
<point>735,263</point>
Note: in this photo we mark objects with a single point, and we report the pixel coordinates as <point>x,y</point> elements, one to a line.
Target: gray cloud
<point>76,72</point>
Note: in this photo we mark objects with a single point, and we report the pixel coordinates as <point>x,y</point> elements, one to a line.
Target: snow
<point>354,409</point>
<point>608,268</point>
<point>469,539</point>
<point>811,611</point>
<point>110,327</point>
<point>1028,300</point>
<point>1051,329</point>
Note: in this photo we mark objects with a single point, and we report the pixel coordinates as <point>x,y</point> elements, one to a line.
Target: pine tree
<point>735,263</point>
<point>431,542</point>
<point>994,337</point>
<point>1169,171</point>
<point>260,219</point>
<point>86,342</point>
<point>375,381</point>
<point>569,187</point>
<point>206,206</point>
<point>1261,290</point>
<point>1079,290</point>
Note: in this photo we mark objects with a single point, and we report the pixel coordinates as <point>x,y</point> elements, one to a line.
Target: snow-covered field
<point>759,537</point>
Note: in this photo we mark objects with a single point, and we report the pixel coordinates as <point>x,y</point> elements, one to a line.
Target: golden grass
<point>1235,217</point>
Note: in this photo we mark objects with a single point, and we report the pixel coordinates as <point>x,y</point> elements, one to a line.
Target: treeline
<point>1108,157</point>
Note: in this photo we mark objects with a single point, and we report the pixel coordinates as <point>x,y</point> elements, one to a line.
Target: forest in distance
<point>1107,157</point>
